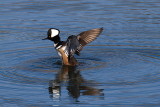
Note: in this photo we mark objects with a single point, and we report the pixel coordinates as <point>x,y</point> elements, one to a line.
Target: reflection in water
<point>76,84</point>
<point>127,53</point>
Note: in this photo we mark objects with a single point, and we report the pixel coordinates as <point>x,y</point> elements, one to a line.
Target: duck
<point>73,45</point>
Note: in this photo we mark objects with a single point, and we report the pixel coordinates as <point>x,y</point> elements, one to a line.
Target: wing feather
<point>72,45</point>
<point>88,36</point>
<point>76,43</point>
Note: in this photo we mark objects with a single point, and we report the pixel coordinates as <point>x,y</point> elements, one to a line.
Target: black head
<point>53,35</point>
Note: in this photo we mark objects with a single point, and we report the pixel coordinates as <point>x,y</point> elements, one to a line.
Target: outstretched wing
<point>87,37</point>
<point>74,44</point>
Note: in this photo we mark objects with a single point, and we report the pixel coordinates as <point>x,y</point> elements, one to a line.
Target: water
<point>120,68</point>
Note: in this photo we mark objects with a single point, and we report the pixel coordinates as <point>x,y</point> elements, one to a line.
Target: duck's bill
<point>45,39</point>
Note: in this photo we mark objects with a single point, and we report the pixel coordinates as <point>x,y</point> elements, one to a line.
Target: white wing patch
<point>59,54</point>
<point>59,47</point>
<point>55,44</point>
<point>65,51</point>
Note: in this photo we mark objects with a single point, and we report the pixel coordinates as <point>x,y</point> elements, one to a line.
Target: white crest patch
<point>54,32</point>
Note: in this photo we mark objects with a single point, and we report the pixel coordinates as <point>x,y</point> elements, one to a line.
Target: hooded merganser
<point>73,45</point>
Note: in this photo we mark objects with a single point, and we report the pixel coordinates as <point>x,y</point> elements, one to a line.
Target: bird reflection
<point>76,84</point>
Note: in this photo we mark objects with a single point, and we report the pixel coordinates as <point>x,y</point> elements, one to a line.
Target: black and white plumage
<point>73,45</point>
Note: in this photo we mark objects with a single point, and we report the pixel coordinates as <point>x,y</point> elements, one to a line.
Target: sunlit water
<point>120,68</point>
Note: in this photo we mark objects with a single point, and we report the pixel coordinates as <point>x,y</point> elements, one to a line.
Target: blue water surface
<point>120,68</point>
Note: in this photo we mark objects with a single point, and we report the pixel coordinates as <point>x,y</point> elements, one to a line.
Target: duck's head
<point>53,35</point>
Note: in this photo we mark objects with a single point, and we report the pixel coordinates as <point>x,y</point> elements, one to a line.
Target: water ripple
<point>120,68</point>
